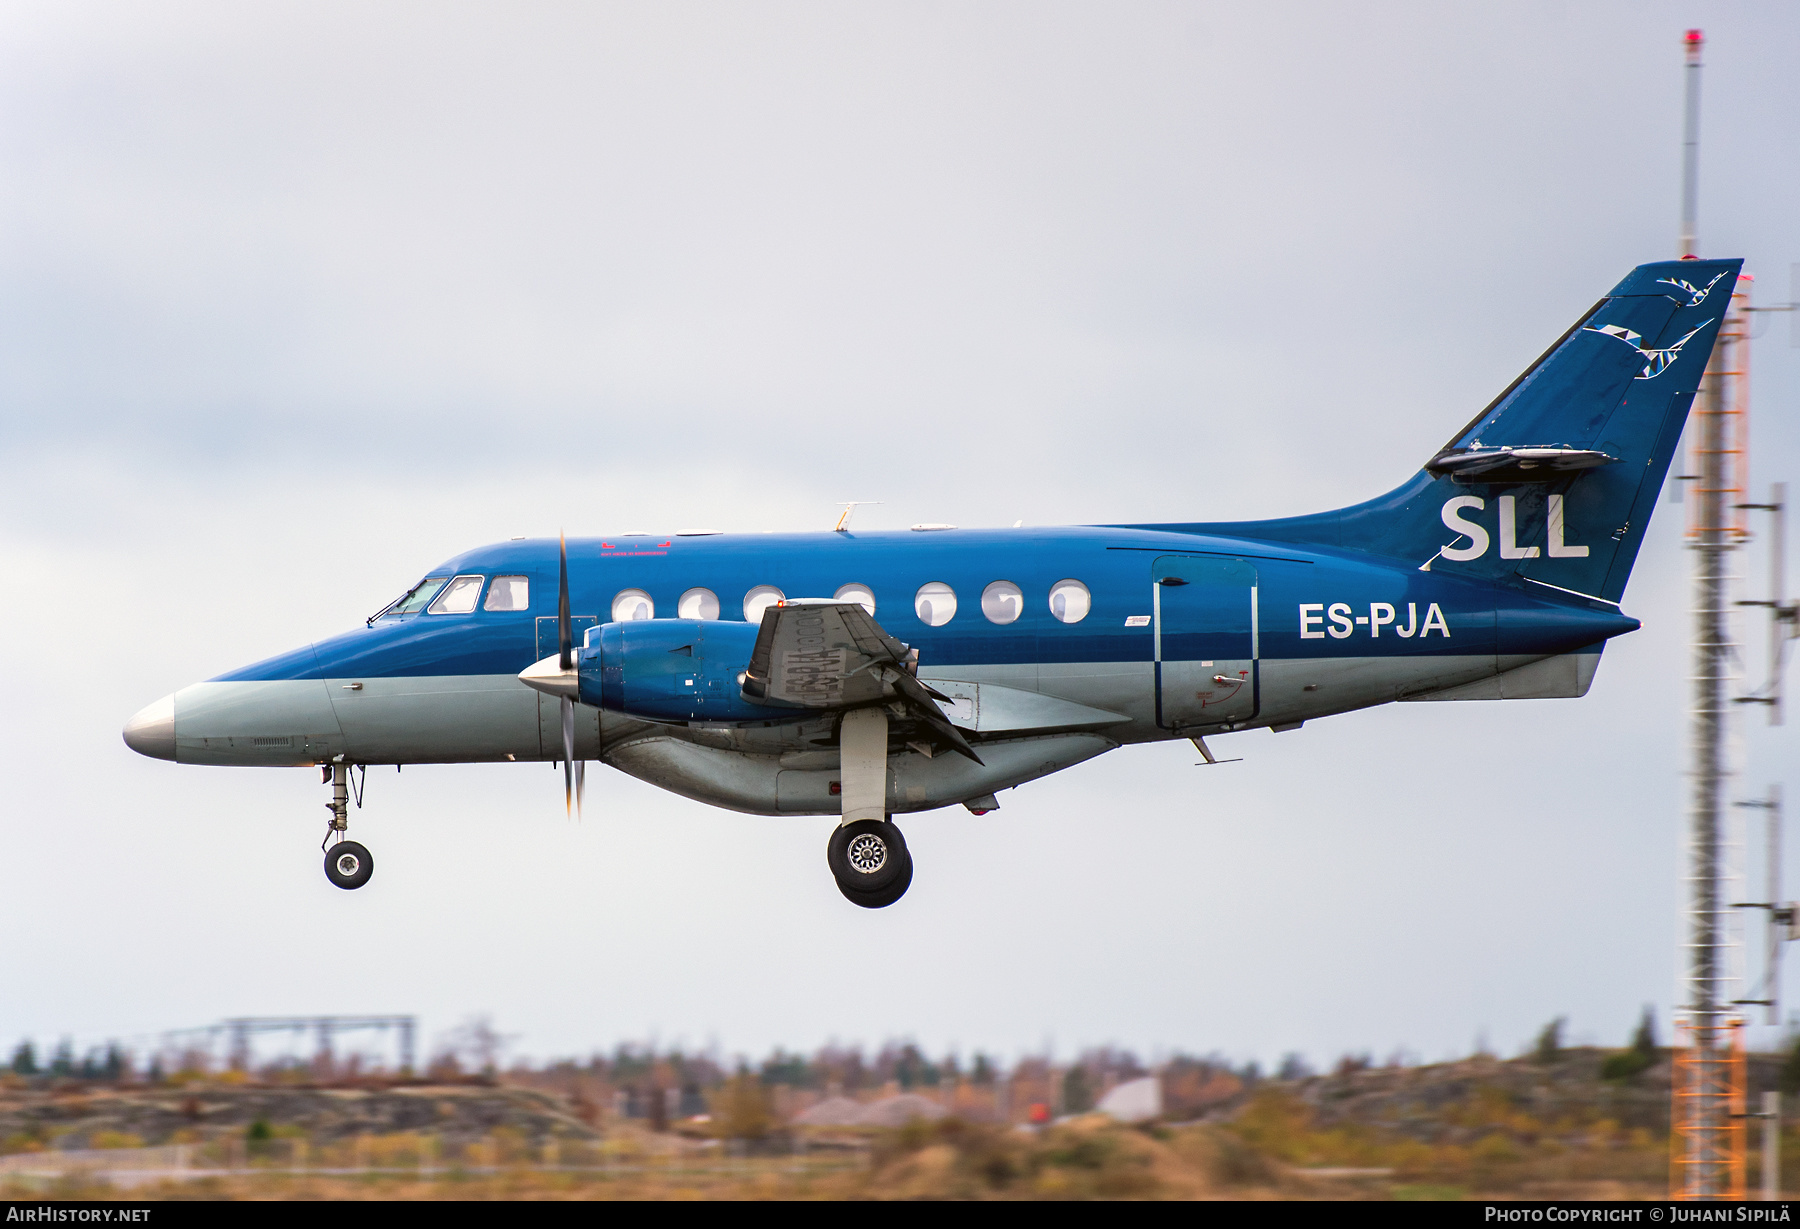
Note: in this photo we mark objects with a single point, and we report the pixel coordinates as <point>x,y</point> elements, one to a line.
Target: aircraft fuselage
<point>1185,635</point>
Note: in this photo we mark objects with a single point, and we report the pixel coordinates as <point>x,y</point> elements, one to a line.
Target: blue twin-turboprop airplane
<point>782,684</point>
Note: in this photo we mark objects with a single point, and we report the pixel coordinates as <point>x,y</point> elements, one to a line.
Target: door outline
<point>1156,624</point>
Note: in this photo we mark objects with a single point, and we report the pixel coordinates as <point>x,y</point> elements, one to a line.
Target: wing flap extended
<point>993,708</point>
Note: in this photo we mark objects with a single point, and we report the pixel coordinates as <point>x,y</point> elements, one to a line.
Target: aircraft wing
<point>831,655</point>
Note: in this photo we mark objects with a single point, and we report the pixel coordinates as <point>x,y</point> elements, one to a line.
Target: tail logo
<point>1697,294</point>
<point>1621,332</point>
<point>1656,361</point>
<point>1555,532</point>
<point>1661,360</point>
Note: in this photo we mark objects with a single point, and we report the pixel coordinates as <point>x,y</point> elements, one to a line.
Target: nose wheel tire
<point>870,862</point>
<point>348,865</point>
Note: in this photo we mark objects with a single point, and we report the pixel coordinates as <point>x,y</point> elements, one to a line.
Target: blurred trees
<point>1078,1092</point>
<point>1549,1042</point>
<point>741,1109</point>
<point>1639,1057</point>
<point>1789,1079</point>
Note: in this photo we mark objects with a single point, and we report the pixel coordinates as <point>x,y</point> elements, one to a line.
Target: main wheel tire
<point>886,896</point>
<point>348,865</point>
<point>865,856</point>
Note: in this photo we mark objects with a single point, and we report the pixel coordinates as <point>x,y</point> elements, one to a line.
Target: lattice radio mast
<point>1707,1152</point>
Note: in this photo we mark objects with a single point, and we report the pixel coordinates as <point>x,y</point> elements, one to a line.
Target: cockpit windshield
<point>414,599</point>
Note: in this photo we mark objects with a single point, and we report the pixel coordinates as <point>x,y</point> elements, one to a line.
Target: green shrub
<point>1625,1064</point>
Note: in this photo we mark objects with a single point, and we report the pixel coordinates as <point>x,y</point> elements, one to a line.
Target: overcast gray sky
<point>297,300</point>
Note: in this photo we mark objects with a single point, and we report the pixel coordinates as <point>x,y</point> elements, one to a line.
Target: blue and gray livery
<point>1494,572</point>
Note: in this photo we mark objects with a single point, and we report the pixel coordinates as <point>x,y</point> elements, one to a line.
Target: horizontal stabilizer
<point>1509,464</point>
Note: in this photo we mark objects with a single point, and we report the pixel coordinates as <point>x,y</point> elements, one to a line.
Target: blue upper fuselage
<point>1312,602</point>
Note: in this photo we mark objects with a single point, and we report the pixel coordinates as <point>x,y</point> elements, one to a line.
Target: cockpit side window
<point>414,599</point>
<point>509,593</point>
<point>458,596</point>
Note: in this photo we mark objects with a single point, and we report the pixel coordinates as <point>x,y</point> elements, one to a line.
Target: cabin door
<point>1204,618</point>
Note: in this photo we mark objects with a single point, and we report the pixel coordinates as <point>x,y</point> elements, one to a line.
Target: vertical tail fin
<point>1556,479</point>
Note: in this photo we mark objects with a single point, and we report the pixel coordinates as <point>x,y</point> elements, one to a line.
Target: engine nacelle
<point>671,670</point>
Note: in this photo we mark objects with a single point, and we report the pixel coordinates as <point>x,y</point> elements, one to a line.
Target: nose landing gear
<point>869,860</point>
<point>347,864</point>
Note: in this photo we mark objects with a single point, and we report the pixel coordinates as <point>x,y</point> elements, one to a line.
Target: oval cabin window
<point>697,604</point>
<point>935,603</point>
<point>758,600</point>
<point>1002,602</point>
<point>862,595</point>
<point>1070,601</point>
<point>631,605</point>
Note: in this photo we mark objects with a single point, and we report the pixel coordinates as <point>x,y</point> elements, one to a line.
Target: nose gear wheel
<point>348,865</point>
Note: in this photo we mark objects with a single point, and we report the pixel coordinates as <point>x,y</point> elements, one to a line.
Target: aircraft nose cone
<point>152,731</point>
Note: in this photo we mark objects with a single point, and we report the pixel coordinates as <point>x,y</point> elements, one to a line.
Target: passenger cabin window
<point>509,593</point>
<point>697,604</point>
<point>935,603</point>
<point>1002,602</point>
<point>417,596</point>
<point>862,595</point>
<point>760,599</point>
<point>1070,601</point>
<point>458,596</point>
<point>631,605</point>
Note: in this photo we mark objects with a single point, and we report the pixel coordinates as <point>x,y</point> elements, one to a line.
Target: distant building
<point>1134,1100</point>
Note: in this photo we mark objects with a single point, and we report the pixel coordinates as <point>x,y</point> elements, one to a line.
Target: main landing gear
<point>869,860</point>
<point>347,864</point>
<point>867,854</point>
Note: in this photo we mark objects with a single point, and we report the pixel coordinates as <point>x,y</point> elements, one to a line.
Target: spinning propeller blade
<point>568,733</point>
<point>565,635</point>
<point>565,641</point>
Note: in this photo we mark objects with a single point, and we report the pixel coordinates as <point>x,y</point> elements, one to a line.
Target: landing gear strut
<point>867,854</point>
<point>347,864</point>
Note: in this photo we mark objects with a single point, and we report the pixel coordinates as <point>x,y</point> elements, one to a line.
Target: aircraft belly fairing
<point>761,785</point>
